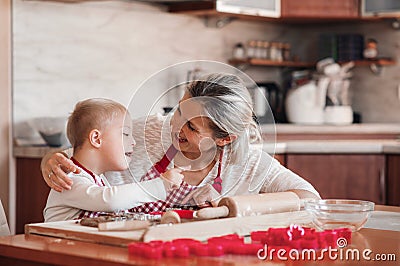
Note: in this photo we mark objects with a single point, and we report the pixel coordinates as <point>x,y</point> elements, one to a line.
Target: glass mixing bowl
<point>339,213</point>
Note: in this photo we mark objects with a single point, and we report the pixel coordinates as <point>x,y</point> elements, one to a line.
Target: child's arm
<point>88,196</point>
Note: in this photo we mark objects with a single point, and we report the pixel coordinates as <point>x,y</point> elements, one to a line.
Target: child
<point>100,132</point>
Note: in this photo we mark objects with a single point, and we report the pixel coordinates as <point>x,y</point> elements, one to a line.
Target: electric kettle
<point>268,101</point>
<point>305,104</point>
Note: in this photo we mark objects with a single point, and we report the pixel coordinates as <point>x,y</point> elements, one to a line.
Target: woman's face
<point>191,132</point>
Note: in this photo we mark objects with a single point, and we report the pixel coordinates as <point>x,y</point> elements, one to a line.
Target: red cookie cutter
<point>292,237</point>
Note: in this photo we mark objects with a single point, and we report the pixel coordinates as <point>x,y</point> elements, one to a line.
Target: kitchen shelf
<point>380,62</point>
<point>264,62</point>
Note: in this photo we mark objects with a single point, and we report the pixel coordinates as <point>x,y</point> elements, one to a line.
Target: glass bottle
<point>259,49</point>
<point>286,52</point>
<point>279,55</point>
<point>273,51</point>
<point>266,50</point>
<point>238,51</point>
<point>251,49</point>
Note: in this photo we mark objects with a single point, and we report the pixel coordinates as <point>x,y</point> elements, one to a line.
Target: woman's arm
<point>304,194</point>
<point>55,166</point>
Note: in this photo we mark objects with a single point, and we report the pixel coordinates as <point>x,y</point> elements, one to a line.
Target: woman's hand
<point>55,168</point>
<point>202,195</point>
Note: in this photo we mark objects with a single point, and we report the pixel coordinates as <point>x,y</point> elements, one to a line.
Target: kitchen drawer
<point>343,176</point>
<point>319,9</point>
<point>32,193</point>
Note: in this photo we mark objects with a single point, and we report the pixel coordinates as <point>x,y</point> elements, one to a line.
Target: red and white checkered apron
<point>177,195</point>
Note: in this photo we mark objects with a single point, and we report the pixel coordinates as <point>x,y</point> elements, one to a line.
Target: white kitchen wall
<point>66,52</point>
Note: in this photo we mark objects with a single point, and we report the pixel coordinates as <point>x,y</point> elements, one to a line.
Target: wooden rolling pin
<point>170,217</point>
<point>251,205</point>
<point>128,225</point>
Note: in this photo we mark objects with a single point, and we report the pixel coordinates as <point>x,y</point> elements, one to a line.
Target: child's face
<point>118,143</point>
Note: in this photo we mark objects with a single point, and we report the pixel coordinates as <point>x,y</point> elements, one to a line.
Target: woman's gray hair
<point>228,104</point>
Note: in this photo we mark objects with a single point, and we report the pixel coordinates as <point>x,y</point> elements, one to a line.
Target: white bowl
<point>338,115</point>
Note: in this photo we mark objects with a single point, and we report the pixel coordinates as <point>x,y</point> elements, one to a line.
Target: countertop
<point>32,151</point>
<point>380,236</point>
<point>338,146</point>
<point>364,146</point>
<point>367,128</point>
<point>305,146</point>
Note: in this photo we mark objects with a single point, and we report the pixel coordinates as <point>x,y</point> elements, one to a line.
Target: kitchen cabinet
<point>281,158</point>
<point>343,9</point>
<point>32,193</point>
<point>343,176</point>
<point>393,179</point>
<point>291,10</point>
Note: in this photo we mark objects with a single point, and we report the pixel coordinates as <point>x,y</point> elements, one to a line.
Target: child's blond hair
<point>95,113</point>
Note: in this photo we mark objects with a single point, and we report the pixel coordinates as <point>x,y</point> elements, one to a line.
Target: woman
<point>211,131</point>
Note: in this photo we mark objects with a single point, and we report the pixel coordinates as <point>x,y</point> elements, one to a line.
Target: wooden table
<point>42,250</point>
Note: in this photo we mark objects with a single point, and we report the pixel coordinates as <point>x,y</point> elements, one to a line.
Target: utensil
<point>127,225</point>
<point>250,205</point>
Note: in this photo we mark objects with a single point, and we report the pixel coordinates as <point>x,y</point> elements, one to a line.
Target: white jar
<point>238,51</point>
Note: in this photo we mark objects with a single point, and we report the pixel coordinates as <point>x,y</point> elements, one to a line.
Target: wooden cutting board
<point>73,230</point>
<point>200,230</point>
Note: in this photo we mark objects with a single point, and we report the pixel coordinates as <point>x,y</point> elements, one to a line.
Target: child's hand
<point>172,178</point>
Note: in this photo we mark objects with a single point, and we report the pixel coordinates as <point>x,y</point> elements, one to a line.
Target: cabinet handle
<point>382,186</point>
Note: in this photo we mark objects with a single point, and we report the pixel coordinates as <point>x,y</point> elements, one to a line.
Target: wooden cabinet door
<point>32,193</point>
<point>319,9</point>
<point>342,176</point>
<point>280,158</point>
<point>393,180</point>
